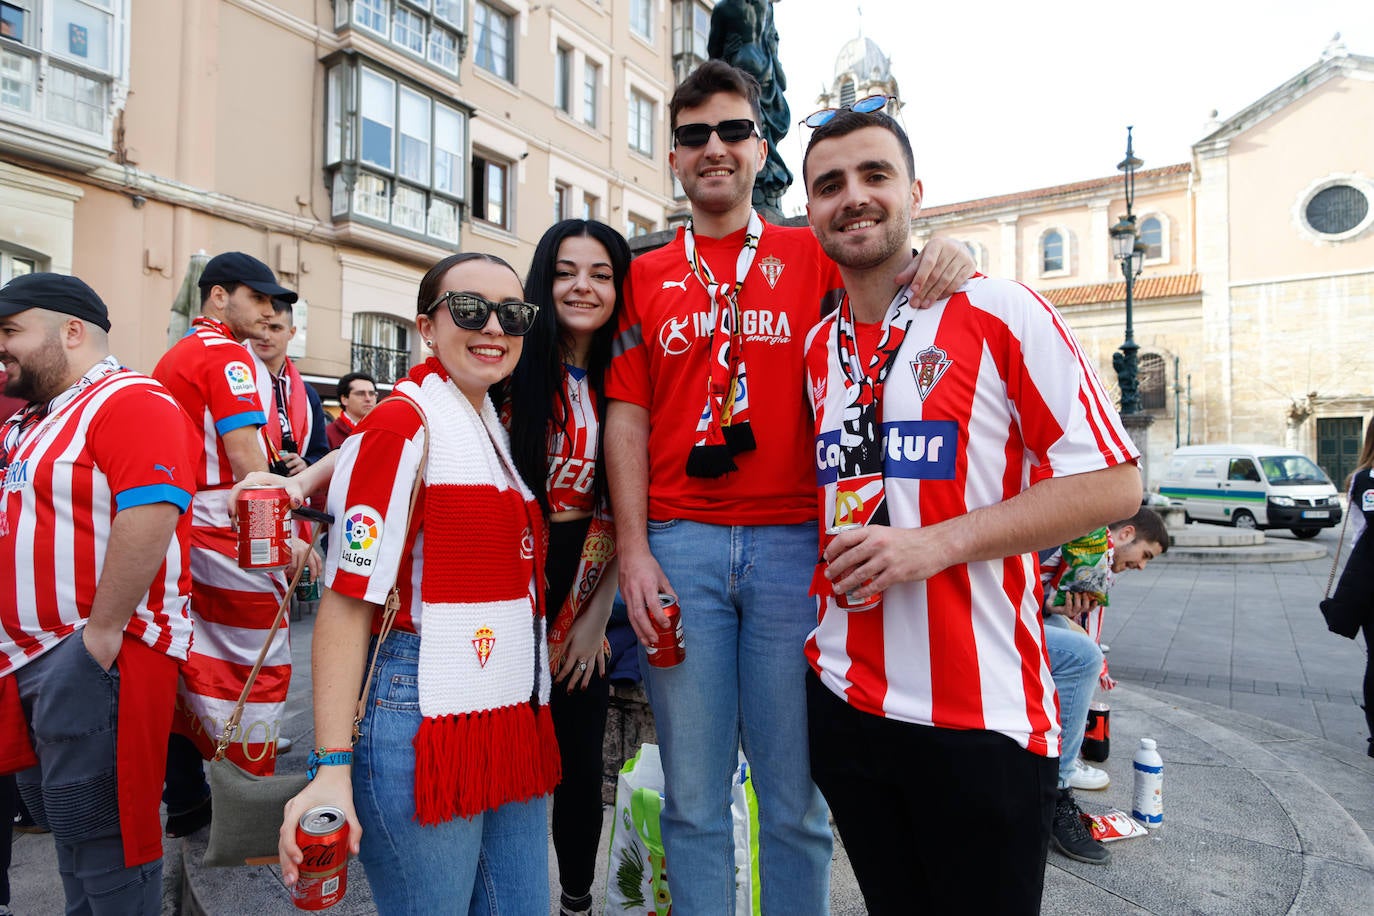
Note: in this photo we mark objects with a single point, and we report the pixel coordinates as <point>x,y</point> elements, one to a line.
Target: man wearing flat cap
<point>212,375</point>
<point>98,472</point>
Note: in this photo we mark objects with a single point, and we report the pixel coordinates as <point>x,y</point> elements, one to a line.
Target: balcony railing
<point>384,364</point>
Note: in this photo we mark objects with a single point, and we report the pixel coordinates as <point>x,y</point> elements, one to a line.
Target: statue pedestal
<point>1138,426</point>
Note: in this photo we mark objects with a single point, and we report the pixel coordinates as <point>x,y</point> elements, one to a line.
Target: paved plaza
<point>1268,802</point>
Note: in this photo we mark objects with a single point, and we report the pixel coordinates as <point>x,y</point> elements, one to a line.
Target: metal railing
<point>384,364</point>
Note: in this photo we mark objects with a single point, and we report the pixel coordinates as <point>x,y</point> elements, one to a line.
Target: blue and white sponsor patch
<point>1367,501</point>
<point>912,449</point>
<point>240,378</point>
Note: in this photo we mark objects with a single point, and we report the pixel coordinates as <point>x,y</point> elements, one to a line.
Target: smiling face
<point>860,199</point>
<point>32,353</point>
<point>1131,552</point>
<point>475,360</point>
<point>583,289</point>
<point>719,177</point>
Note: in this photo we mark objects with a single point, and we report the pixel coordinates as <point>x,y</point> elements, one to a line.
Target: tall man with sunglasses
<point>959,439</point>
<point>714,501</point>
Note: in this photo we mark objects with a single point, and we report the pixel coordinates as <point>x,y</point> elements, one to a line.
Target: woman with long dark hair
<point>1352,606</point>
<point>554,406</point>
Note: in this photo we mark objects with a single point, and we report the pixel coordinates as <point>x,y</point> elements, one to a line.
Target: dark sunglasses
<point>471,311</point>
<point>731,131</point>
<point>866,105</point>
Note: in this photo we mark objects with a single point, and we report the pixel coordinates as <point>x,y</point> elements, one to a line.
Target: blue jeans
<point>1075,664</point>
<point>496,862</point>
<point>745,615</point>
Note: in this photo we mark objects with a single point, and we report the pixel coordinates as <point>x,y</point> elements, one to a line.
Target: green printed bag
<point>637,871</point>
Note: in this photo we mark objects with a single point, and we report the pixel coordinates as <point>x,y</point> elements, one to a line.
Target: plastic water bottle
<point>1148,802</point>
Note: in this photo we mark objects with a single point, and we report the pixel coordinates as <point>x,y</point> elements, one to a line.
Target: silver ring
<point>581,666</point>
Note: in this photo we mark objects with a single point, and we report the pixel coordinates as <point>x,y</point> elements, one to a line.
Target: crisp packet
<point>1112,826</point>
<point>1086,566</point>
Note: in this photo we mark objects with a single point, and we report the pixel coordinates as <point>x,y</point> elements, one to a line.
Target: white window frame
<point>1066,256</point>
<point>637,83</point>
<point>439,33</point>
<point>640,122</point>
<point>588,59</point>
<point>36,65</point>
<point>511,18</point>
<point>642,19</point>
<point>563,77</point>
<point>423,202</point>
<point>1165,231</point>
<point>1357,180</point>
<point>493,163</point>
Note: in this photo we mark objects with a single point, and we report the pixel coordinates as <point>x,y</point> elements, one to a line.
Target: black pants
<point>934,820</point>
<point>9,809</point>
<point>579,721</point>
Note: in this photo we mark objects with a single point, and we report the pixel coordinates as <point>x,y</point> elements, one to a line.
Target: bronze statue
<point>743,35</point>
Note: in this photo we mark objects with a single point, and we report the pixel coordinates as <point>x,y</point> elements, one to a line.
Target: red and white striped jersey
<point>572,452</point>
<point>373,545</point>
<point>121,442</point>
<point>988,394</point>
<point>213,379</point>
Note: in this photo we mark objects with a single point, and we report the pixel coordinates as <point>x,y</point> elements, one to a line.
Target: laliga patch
<point>771,267</point>
<point>360,540</point>
<point>483,641</point>
<point>240,378</point>
<point>929,365</point>
<point>1367,501</point>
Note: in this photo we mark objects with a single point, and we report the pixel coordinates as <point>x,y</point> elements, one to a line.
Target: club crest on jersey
<point>527,545</point>
<point>483,641</point>
<point>929,365</point>
<point>360,540</point>
<point>771,268</point>
<point>240,378</point>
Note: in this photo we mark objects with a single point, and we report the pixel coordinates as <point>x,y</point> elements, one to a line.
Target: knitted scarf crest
<point>723,428</point>
<point>487,737</point>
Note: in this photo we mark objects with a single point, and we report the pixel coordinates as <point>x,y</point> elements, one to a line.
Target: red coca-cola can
<point>264,528</point>
<point>847,601</point>
<point>322,835</point>
<point>668,648</point>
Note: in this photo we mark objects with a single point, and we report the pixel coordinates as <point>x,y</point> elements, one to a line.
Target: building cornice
<point>1094,192</point>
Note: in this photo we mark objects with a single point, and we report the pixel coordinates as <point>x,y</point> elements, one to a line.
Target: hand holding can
<point>668,649</point>
<point>849,601</point>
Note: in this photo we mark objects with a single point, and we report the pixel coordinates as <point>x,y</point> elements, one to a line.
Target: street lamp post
<point>1130,251</point>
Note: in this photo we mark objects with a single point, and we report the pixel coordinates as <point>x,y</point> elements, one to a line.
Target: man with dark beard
<point>94,578</point>
<point>928,686</point>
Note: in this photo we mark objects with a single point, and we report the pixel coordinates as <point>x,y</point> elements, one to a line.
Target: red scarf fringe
<point>470,763</point>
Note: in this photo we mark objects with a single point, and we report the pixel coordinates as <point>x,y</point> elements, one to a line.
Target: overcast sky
<point>1005,96</point>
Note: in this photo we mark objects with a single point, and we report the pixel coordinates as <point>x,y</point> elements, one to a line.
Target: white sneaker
<point>1089,778</point>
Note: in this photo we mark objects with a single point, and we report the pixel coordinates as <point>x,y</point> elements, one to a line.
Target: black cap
<point>237,267</point>
<point>54,293</point>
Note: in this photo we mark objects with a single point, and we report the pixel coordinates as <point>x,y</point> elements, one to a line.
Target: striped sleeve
<point>230,387</point>
<point>143,469</point>
<point>369,498</point>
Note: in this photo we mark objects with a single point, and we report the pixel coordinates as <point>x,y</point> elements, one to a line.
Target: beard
<point>41,376</point>
<point>893,237</point>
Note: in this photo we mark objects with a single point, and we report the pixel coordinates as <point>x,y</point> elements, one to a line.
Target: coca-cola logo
<point>319,856</point>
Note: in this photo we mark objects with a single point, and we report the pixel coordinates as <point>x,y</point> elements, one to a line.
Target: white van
<point>1252,486</point>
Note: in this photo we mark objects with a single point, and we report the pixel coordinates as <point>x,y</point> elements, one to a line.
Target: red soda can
<point>264,528</point>
<point>322,835</point>
<point>668,648</point>
<point>847,601</point>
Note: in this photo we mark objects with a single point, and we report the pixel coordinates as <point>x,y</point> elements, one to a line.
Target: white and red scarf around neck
<point>860,498</point>
<point>486,737</point>
<point>723,428</point>
<point>296,410</point>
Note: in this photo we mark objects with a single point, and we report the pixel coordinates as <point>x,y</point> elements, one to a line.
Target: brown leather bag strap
<point>1336,554</point>
<point>231,724</point>
<point>393,600</point>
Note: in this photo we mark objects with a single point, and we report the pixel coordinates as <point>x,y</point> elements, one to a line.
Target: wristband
<point>327,757</point>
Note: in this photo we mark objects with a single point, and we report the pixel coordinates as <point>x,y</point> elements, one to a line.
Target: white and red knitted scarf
<point>487,737</point>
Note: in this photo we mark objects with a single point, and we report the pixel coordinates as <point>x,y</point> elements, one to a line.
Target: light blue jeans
<point>1075,664</point>
<point>745,615</point>
<point>496,862</point>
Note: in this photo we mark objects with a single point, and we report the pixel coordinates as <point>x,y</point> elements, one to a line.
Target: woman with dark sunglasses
<point>553,405</point>
<point>446,786</point>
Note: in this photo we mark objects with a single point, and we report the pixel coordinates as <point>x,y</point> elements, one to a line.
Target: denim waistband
<point>398,644</point>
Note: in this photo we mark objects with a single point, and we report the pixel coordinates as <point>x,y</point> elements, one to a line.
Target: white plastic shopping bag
<point>637,873</point>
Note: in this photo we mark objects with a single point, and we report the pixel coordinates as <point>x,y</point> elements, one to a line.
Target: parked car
<point>1252,486</point>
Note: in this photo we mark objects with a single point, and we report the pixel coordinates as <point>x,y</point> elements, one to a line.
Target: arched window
<point>1052,251</point>
<point>1152,234</point>
<point>381,347</point>
<point>1151,382</point>
<point>847,92</point>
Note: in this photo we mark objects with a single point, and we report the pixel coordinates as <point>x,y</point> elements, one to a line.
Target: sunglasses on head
<point>731,131</point>
<point>866,105</point>
<point>471,311</point>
